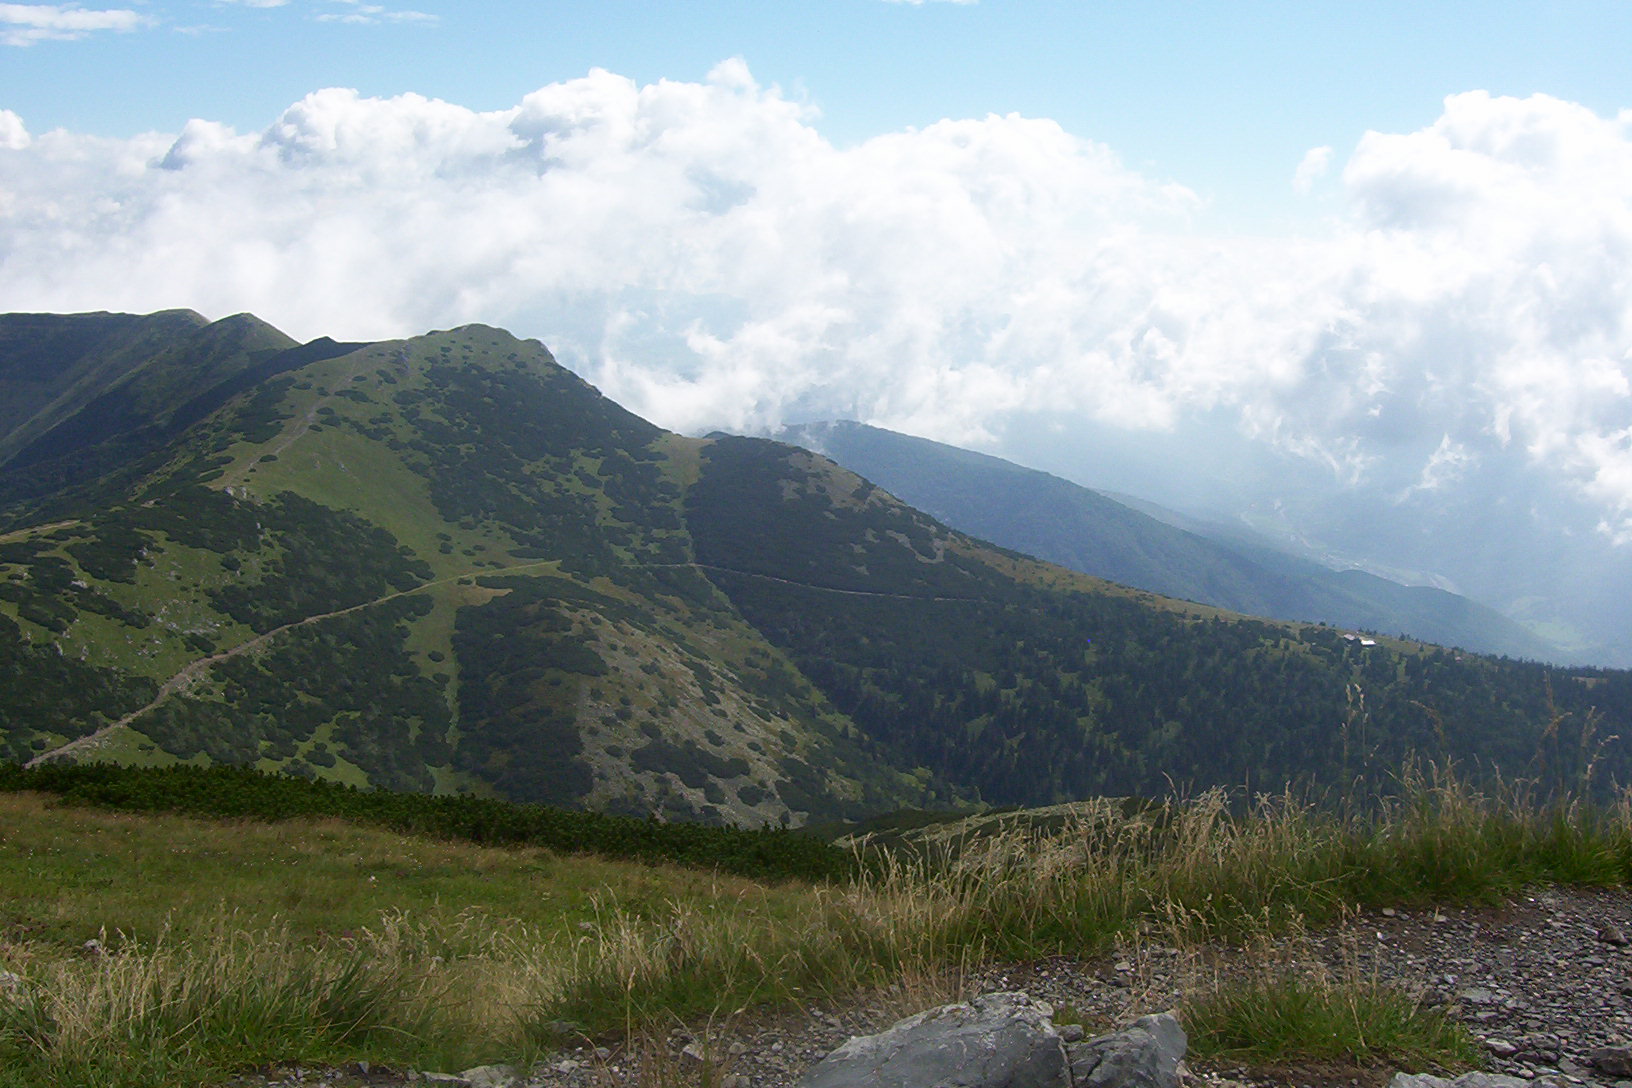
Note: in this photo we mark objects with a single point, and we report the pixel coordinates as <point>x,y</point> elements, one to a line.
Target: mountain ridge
<point>1044,515</point>
<point>445,563</point>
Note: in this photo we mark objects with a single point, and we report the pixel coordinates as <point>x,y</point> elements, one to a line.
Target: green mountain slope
<point>1043,515</point>
<point>439,564</point>
<point>52,365</point>
<point>448,564</point>
<point>1040,685</point>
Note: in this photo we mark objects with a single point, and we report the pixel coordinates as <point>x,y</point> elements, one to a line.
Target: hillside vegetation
<point>448,565</point>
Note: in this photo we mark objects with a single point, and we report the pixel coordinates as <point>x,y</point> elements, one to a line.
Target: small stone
<point>1390,912</point>
<point>566,1065</point>
<point>491,1076</point>
<point>1476,995</point>
<point>1501,1048</point>
<point>1072,1033</point>
<point>1613,934</point>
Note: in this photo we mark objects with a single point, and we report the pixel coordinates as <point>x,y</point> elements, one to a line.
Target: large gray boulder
<point>995,1041</point>
<point>1466,1080</point>
<point>1145,1054</point>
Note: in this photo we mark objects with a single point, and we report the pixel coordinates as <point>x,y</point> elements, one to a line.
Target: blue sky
<point>1224,98</point>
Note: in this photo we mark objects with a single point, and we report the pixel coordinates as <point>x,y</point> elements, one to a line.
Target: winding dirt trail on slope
<point>194,669</point>
<point>240,475</point>
<point>829,589</point>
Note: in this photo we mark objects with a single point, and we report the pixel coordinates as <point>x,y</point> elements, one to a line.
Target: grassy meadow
<point>231,943</point>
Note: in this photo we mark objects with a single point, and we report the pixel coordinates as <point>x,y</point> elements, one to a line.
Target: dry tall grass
<point>483,989</point>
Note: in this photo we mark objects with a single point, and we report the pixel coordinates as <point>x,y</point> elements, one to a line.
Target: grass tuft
<point>1281,1016</point>
<point>181,1011</point>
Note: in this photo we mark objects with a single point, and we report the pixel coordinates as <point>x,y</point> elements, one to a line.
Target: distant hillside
<point>447,564</point>
<point>1042,515</point>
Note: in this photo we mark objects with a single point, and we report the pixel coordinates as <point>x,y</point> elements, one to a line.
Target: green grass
<point>178,1011</point>
<point>1284,1017</point>
<point>477,954</point>
<point>69,873</point>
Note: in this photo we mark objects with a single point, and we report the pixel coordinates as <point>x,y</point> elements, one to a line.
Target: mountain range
<point>446,563</point>
<point>1054,519</point>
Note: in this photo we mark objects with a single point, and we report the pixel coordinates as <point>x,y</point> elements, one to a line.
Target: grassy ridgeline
<point>431,982</point>
<point>242,793</point>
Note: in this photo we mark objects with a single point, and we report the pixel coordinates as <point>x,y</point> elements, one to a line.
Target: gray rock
<point>491,1076</point>
<point>1145,1054</point>
<point>1466,1080</point>
<point>1613,1060</point>
<point>999,1040</point>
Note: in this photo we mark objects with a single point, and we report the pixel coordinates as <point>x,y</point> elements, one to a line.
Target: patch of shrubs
<point>693,765</point>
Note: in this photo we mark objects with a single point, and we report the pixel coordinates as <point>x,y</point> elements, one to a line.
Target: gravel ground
<point>1542,980</point>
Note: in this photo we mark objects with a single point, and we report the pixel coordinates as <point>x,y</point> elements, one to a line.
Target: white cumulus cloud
<point>13,135</point>
<point>1311,168</point>
<point>704,254</point>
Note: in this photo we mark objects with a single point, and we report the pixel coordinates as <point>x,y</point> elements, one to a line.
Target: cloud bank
<point>26,24</point>
<point>708,258</point>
